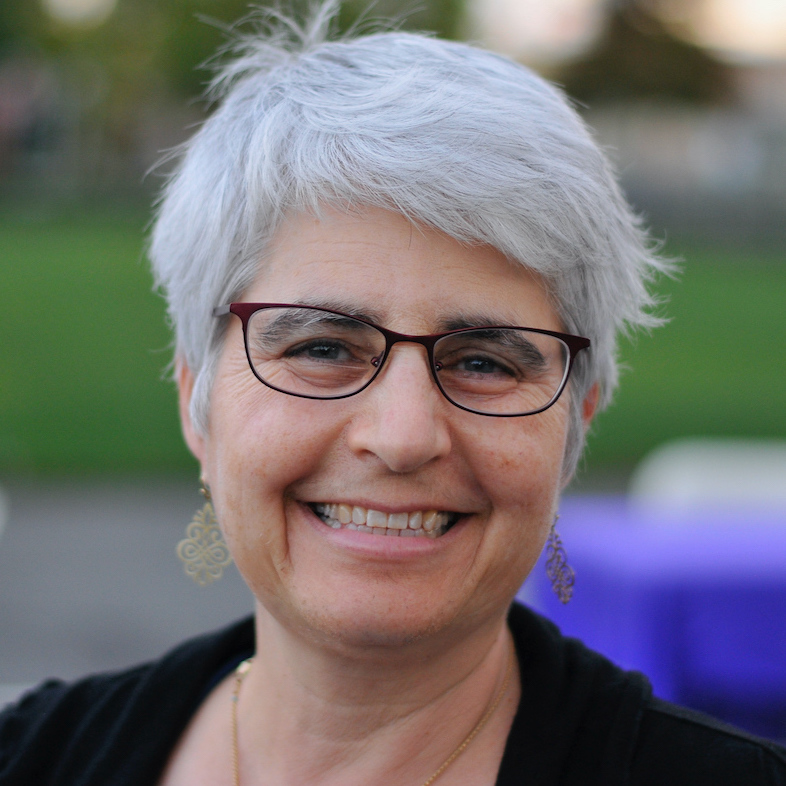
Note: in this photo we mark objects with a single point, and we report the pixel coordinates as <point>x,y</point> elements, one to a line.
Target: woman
<point>381,257</point>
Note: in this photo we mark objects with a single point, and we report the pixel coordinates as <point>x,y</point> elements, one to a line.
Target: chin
<point>362,623</point>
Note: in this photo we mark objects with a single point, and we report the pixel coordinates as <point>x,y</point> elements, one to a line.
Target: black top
<point>581,722</point>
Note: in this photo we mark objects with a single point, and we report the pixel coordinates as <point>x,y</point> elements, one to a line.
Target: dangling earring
<point>203,552</point>
<point>557,569</point>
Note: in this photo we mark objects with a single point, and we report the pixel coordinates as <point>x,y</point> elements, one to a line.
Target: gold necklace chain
<point>240,675</point>
<point>242,670</point>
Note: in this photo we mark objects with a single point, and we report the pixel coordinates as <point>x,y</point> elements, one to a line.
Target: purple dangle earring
<point>560,574</point>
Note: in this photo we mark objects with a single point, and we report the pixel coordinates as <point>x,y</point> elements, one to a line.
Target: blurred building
<point>718,169</point>
<point>698,132</point>
<point>700,141</point>
<point>60,141</point>
<point>706,170</point>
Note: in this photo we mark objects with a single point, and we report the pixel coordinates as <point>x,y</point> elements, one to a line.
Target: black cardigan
<point>582,721</point>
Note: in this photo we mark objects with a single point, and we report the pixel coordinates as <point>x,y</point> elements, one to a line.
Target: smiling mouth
<point>417,524</point>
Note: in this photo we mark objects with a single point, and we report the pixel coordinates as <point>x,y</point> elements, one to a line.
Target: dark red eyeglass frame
<point>244,311</point>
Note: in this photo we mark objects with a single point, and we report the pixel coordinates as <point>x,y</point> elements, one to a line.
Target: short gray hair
<point>452,136</point>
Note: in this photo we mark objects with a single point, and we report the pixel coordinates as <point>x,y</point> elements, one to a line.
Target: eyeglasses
<point>322,354</point>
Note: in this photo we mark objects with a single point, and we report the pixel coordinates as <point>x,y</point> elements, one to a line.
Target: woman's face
<point>397,447</point>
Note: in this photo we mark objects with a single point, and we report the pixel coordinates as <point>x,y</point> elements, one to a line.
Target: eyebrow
<point>459,320</point>
<point>344,306</point>
<point>465,319</point>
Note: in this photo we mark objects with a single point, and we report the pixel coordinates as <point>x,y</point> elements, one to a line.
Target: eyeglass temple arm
<point>220,311</point>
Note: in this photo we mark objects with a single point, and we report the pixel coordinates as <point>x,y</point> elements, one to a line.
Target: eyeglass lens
<point>320,354</point>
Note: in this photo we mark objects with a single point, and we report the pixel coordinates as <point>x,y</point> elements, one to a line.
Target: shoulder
<point>77,733</point>
<point>678,745</point>
<point>583,721</point>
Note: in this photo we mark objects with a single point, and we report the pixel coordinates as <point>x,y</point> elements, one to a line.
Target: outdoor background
<point>92,92</point>
<point>689,97</point>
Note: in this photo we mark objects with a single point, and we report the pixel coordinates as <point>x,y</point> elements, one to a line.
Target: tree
<point>638,57</point>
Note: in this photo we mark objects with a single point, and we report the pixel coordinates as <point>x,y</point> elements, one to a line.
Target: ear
<point>590,405</point>
<point>185,389</point>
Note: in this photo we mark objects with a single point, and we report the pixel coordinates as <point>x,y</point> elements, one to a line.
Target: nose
<point>403,417</point>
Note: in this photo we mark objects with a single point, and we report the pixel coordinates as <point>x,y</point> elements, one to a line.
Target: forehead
<point>380,265</point>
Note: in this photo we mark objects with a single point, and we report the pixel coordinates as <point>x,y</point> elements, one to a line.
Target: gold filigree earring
<point>203,551</point>
<point>560,574</point>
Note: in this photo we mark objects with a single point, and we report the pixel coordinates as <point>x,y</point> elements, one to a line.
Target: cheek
<point>260,442</point>
<point>265,444</point>
<point>521,472</point>
<point>256,434</point>
<point>520,466</point>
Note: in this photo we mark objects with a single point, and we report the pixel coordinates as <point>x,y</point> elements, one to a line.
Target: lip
<point>381,547</point>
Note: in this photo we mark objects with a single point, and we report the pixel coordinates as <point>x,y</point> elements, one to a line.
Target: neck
<point>316,714</point>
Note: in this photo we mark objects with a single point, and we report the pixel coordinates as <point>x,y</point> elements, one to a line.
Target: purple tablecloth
<point>697,601</point>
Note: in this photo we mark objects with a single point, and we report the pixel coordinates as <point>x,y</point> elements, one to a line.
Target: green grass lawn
<point>85,347</point>
<point>717,368</point>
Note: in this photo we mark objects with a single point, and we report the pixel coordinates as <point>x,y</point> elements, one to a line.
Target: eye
<point>471,363</point>
<point>482,365</point>
<point>320,349</point>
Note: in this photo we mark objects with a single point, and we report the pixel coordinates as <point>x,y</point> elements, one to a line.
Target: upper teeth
<point>353,516</point>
